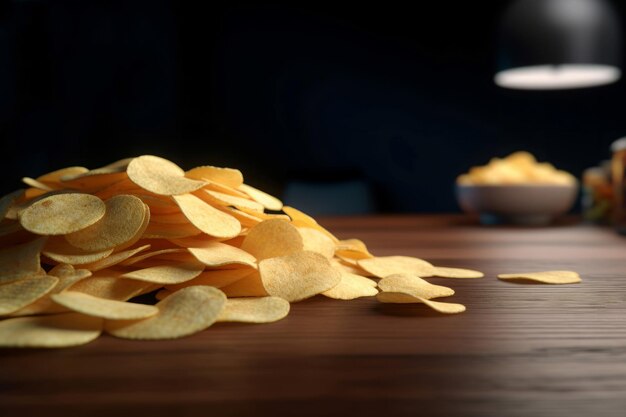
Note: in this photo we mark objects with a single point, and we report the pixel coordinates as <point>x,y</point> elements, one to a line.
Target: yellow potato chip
<point>60,330</point>
<point>298,276</point>
<point>60,214</point>
<point>217,198</point>
<point>20,261</point>
<point>7,201</point>
<point>161,294</point>
<point>545,277</point>
<point>382,266</point>
<point>124,217</point>
<point>109,285</point>
<point>316,241</point>
<point>272,238</point>
<point>183,313</point>
<point>248,286</point>
<point>158,204</point>
<point>403,298</point>
<point>103,307</point>
<point>351,286</point>
<point>215,278</point>
<point>147,255</point>
<point>443,272</point>
<point>268,201</point>
<point>413,285</point>
<point>19,294</point>
<point>92,181</point>
<point>59,250</point>
<point>301,219</point>
<point>246,220</point>
<point>254,310</point>
<point>171,218</point>
<point>161,176</point>
<point>113,259</point>
<point>67,275</point>
<point>261,215</point>
<point>207,218</point>
<point>215,254</point>
<point>349,267</point>
<point>139,233</point>
<point>167,272</point>
<point>36,184</point>
<point>227,176</point>
<point>225,189</point>
<point>352,249</point>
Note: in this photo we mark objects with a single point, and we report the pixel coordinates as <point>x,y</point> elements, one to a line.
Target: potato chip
<point>171,218</point>
<point>19,294</point>
<point>254,310</point>
<point>113,259</point>
<point>301,219</point>
<point>170,231</point>
<point>272,238</point>
<point>140,232</point>
<point>36,184</point>
<point>147,255</point>
<point>353,269</point>
<point>158,204</point>
<point>215,278</point>
<point>225,189</point>
<point>298,276</point>
<point>403,298</point>
<point>413,285</point>
<point>109,285</point>
<point>316,241</point>
<point>382,266</point>
<point>92,181</point>
<point>161,176</point>
<point>248,286</point>
<point>59,250</point>
<point>545,277</point>
<point>443,272</point>
<point>268,201</point>
<point>61,214</point>
<point>351,286</point>
<point>215,254</point>
<point>103,307</point>
<point>262,215</point>
<point>227,176</point>
<point>20,261</point>
<point>122,221</point>
<point>246,220</point>
<point>167,272</point>
<point>207,218</point>
<point>161,294</point>
<point>7,201</point>
<point>61,330</point>
<point>216,198</point>
<point>183,313</point>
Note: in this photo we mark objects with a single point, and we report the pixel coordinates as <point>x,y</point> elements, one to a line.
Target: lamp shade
<point>559,44</point>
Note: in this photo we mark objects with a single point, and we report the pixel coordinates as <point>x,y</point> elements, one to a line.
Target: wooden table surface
<point>519,350</point>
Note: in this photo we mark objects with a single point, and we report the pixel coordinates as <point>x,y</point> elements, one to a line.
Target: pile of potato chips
<point>79,244</point>
<point>519,168</point>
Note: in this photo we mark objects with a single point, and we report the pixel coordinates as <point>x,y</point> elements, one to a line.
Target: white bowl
<point>519,204</point>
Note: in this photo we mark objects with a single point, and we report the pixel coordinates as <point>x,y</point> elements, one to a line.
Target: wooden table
<point>519,350</point>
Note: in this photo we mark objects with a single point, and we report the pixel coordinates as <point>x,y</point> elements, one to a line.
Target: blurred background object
<point>399,99</point>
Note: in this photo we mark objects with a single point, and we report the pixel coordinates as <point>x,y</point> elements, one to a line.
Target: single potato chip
<point>248,286</point>
<point>301,219</point>
<point>109,285</point>
<point>61,214</point>
<point>36,184</point>
<point>123,219</point>
<point>272,238</point>
<point>217,198</point>
<point>382,266</point>
<point>545,277</point>
<point>351,286</point>
<point>444,272</point>
<point>254,310</point>
<point>403,298</point>
<point>226,176</point>
<point>167,272</point>
<point>207,218</point>
<point>215,254</point>
<point>19,294</point>
<point>413,285</point>
<point>56,331</point>
<point>298,276</point>
<point>160,176</point>
<point>315,241</point>
<point>183,313</point>
<point>268,201</point>
<point>20,261</point>
<point>53,178</point>
<point>103,307</point>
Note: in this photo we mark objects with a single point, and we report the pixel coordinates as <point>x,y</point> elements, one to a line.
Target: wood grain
<point>519,350</point>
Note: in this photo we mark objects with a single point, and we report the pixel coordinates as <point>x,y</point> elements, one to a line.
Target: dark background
<point>397,98</point>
